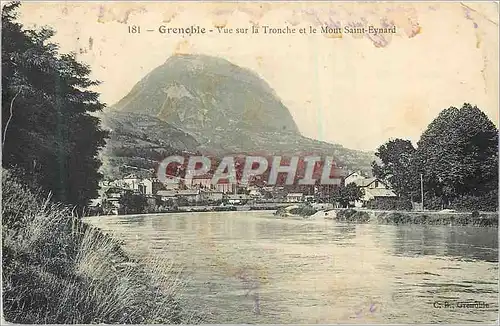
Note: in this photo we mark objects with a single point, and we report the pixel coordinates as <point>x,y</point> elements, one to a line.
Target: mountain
<point>138,141</point>
<point>203,103</point>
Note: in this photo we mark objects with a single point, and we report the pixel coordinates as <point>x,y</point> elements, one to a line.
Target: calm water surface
<point>248,267</point>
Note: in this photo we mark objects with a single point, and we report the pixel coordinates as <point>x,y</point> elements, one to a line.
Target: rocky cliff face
<point>205,94</point>
<point>207,104</point>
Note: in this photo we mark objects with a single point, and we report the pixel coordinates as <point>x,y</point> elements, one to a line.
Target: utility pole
<point>235,184</point>
<point>422,190</point>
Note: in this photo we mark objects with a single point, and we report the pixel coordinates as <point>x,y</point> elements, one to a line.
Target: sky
<point>351,89</point>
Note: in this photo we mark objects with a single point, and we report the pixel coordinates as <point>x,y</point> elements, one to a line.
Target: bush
<point>351,215</point>
<point>486,202</point>
<point>57,269</point>
<point>432,203</point>
<point>467,203</point>
<point>398,204</point>
<point>303,210</point>
<point>133,203</point>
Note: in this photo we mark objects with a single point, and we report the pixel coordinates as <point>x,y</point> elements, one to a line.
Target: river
<point>248,267</point>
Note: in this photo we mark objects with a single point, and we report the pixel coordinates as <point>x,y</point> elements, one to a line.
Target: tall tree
<point>350,193</point>
<point>344,195</point>
<point>47,127</point>
<point>396,157</point>
<point>458,154</point>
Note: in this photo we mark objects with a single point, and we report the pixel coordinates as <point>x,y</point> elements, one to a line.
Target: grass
<point>58,269</point>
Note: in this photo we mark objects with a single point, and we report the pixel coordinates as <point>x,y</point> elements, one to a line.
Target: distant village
<point>134,195</point>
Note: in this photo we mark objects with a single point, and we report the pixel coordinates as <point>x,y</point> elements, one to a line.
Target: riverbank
<point>479,219</point>
<point>60,270</point>
<point>239,208</point>
<point>210,208</point>
<point>287,211</point>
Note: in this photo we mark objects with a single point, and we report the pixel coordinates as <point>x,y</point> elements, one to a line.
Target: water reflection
<point>347,231</point>
<point>457,242</point>
<point>136,219</point>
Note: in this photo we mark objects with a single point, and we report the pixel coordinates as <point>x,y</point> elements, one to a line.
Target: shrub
<point>486,202</point>
<point>351,215</point>
<point>399,204</point>
<point>432,202</point>
<point>396,218</point>
<point>304,211</point>
<point>133,203</point>
<point>58,269</point>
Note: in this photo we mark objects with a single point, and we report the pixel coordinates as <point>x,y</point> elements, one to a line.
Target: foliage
<point>396,158</point>
<point>457,156</point>
<point>48,129</point>
<point>303,210</point>
<point>58,269</point>
<point>169,202</point>
<point>350,193</point>
<point>435,218</point>
<point>485,202</point>
<point>432,202</point>
<point>352,215</point>
<point>133,203</point>
<point>267,194</point>
<point>346,194</point>
<point>182,201</point>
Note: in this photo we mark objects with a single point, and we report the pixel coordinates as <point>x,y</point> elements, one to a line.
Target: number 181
<point>134,29</point>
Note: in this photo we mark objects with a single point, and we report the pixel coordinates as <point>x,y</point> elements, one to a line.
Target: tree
<point>458,155</point>
<point>132,203</point>
<point>396,166</point>
<point>350,193</point>
<point>47,127</point>
<point>346,194</point>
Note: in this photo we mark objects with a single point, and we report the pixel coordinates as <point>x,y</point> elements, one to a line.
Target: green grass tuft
<point>58,269</point>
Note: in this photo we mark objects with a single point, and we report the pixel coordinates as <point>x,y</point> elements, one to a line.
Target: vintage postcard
<point>177,162</point>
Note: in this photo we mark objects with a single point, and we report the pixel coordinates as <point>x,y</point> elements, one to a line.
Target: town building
<point>172,183</point>
<point>211,195</point>
<point>375,191</point>
<point>294,197</point>
<point>237,198</point>
<point>204,182</point>
<point>150,186</point>
<point>165,195</point>
<point>130,181</point>
<point>225,186</point>
<point>353,176</point>
<point>199,182</point>
<point>255,194</point>
<point>191,195</point>
<point>147,186</point>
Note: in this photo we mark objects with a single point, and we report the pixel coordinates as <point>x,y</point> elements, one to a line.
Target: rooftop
<point>364,182</point>
<point>380,192</point>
